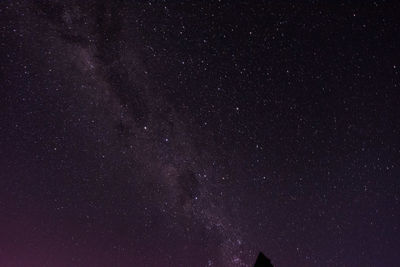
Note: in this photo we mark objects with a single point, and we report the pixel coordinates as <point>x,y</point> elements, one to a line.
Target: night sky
<point>167,133</point>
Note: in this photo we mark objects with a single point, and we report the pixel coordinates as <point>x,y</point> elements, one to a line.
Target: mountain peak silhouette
<point>263,261</point>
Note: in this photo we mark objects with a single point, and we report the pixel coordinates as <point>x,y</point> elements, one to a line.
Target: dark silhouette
<point>263,261</point>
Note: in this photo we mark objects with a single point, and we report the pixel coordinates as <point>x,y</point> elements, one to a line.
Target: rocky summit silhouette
<point>263,261</point>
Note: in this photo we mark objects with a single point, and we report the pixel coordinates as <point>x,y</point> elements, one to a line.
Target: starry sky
<point>198,133</point>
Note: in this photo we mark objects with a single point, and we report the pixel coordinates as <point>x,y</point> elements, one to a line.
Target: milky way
<point>198,134</point>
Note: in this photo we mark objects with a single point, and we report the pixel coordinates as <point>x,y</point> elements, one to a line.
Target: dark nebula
<point>169,133</point>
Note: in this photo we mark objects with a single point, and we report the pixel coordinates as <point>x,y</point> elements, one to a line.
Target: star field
<point>181,133</point>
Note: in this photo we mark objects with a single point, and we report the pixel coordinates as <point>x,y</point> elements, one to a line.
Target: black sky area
<point>199,133</point>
